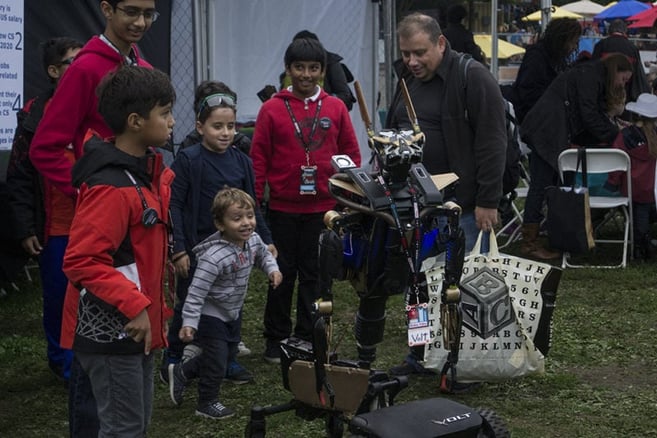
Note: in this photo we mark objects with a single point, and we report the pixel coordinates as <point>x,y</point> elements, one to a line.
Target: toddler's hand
<point>186,334</point>
<point>275,279</point>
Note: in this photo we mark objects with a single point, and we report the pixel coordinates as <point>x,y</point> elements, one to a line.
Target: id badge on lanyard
<point>308,180</point>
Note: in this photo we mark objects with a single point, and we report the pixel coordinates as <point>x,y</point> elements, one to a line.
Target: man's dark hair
<point>305,49</point>
<point>132,89</point>
<point>617,26</point>
<point>54,50</point>
<point>205,89</point>
<point>456,13</point>
<point>419,22</point>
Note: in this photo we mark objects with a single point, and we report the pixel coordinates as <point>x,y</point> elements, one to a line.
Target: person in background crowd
<point>617,42</point>
<point>43,214</point>
<point>460,38</point>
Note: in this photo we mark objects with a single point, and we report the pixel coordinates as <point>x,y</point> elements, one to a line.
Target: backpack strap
<point>464,64</point>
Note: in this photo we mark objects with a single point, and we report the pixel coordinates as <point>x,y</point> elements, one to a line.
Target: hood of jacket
<point>99,154</point>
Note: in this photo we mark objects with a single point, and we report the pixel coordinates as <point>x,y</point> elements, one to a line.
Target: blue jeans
<point>123,387</point>
<point>468,224</point>
<point>53,285</point>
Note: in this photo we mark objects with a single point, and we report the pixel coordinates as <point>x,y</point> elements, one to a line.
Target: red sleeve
<point>261,147</point>
<point>60,127</point>
<point>94,238</point>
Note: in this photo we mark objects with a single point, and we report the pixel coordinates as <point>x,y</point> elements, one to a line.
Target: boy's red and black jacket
<point>116,264</point>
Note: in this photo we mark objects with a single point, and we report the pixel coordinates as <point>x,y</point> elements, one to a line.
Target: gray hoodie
<point>221,278</point>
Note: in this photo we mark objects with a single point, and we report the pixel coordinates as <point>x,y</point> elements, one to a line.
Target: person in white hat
<point>639,140</point>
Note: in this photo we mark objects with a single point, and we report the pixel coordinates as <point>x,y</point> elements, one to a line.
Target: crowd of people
<point>105,216</point>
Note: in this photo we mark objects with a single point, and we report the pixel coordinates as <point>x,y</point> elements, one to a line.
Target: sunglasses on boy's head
<point>214,100</point>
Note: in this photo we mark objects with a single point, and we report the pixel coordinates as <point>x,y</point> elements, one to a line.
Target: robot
<point>392,218</point>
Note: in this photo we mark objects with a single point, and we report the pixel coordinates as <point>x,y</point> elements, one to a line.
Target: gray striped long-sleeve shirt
<point>221,278</point>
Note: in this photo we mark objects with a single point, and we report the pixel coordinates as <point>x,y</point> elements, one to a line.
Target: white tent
<point>246,41</point>
<point>586,8</point>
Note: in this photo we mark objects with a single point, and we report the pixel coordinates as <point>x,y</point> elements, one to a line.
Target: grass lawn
<point>600,379</point>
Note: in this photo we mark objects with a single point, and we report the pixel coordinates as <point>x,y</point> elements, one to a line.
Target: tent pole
<point>494,62</point>
<point>389,44</point>
<point>546,13</point>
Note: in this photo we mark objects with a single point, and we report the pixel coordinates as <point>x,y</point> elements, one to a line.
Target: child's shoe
<point>242,350</point>
<point>215,411</point>
<point>237,374</point>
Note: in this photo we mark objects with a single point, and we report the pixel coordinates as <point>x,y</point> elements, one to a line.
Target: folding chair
<point>604,161</point>
<point>512,227</point>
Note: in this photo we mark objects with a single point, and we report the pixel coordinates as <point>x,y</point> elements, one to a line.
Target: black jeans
<point>296,238</point>
<point>210,366</point>
<point>542,176</point>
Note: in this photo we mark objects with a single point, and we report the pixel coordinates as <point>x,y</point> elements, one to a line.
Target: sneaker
<point>237,374</point>
<point>177,383</point>
<point>410,366</point>
<point>215,411</point>
<point>242,350</point>
<point>273,352</point>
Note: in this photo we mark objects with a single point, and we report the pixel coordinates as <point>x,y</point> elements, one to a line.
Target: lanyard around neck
<point>297,127</point>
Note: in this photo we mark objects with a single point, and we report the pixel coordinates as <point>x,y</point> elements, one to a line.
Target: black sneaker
<point>237,374</point>
<point>273,352</point>
<point>177,382</point>
<point>215,411</point>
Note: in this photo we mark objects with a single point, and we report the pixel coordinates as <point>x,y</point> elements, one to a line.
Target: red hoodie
<point>278,153</point>
<point>73,111</point>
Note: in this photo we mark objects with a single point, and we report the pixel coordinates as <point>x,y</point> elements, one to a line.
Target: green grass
<point>600,378</point>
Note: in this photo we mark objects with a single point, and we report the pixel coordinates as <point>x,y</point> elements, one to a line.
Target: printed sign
<point>12,42</point>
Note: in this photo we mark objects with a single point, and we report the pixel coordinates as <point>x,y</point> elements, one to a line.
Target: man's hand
<point>140,329</point>
<point>31,245</point>
<point>486,218</point>
<point>181,264</point>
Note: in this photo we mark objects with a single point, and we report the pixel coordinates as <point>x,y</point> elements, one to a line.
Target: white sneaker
<point>243,350</point>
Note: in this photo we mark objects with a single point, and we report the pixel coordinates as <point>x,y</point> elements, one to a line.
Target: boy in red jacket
<point>297,132</point>
<point>115,312</point>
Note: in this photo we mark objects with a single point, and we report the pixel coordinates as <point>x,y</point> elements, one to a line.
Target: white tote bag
<point>507,304</point>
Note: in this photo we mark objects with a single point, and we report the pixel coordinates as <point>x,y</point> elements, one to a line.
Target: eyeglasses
<point>67,61</point>
<point>135,13</point>
<point>214,100</point>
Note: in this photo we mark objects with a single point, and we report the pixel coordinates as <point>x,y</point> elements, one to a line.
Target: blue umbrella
<point>622,9</point>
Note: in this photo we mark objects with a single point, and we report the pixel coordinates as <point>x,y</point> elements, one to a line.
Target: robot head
<point>396,151</point>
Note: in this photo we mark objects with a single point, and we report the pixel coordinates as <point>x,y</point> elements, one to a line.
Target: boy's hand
<point>31,245</point>
<point>186,334</point>
<point>272,249</point>
<point>140,329</point>
<point>275,279</point>
<point>181,264</point>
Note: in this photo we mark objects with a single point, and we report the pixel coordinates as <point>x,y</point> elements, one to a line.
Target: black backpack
<point>512,169</point>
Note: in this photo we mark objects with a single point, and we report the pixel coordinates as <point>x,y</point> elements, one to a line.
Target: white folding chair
<point>512,228</point>
<point>604,161</point>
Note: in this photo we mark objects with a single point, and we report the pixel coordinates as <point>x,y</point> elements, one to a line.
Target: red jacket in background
<point>73,111</point>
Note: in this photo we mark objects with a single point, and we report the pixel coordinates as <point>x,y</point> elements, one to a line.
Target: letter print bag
<point>507,304</point>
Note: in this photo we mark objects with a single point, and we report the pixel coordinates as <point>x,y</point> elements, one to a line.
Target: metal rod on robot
<point>409,108</point>
<point>362,107</point>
